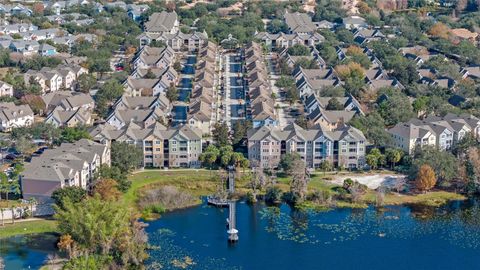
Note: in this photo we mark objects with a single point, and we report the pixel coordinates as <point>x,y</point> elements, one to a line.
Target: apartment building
<point>71,164</point>
<point>441,132</point>
<point>343,147</point>
<point>173,147</point>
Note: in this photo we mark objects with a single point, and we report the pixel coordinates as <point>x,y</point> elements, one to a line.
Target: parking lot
<point>234,94</point>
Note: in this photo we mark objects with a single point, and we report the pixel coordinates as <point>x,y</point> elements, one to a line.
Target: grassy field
<point>28,227</point>
<point>196,182</point>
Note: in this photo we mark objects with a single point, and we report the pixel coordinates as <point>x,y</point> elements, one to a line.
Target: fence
<point>35,210</point>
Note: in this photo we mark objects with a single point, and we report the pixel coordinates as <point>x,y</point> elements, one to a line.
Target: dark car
<point>11,156</point>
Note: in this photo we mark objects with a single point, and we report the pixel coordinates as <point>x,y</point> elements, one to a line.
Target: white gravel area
<point>372,181</point>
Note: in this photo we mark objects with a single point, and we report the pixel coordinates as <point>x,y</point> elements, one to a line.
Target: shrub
<point>273,195</point>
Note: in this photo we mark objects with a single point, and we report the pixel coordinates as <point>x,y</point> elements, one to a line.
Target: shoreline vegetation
<point>191,185</point>
<point>199,183</point>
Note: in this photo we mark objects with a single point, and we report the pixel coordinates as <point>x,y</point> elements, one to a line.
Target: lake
<point>27,251</point>
<point>397,237</point>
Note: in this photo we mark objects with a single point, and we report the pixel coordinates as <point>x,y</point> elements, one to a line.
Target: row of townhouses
<point>441,132</point>
<point>62,77</point>
<point>201,110</point>
<point>71,164</point>
<point>70,109</point>
<point>260,103</point>
<point>144,111</point>
<point>12,116</point>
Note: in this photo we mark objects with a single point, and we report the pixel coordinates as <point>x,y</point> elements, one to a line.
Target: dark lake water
<point>281,238</point>
<point>27,251</point>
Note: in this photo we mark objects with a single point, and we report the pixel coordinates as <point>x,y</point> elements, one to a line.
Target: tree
<point>172,93</point>
<point>375,158</point>
<point>113,172</point>
<point>24,145</point>
<point>72,194</point>
<point>396,108</point>
<point>73,134</point>
<point>276,26</point>
<point>240,129</point>
<point>353,75</point>
<point>5,187</point>
<point>86,82</point>
<point>273,195</point>
<point>298,185</point>
<point>126,157</point>
<point>221,134</point>
<point>287,162</point>
<point>298,50</point>
<point>102,228</point>
<point>210,155</point>
<point>425,179</point>
<point>393,156</point>
<point>107,189</point>
<point>334,105</point>
<point>439,30</point>
<point>150,75</point>
<point>326,166</point>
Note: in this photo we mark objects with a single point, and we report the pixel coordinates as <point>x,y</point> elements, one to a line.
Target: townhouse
<point>6,90</point>
<point>363,36</point>
<point>26,48</point>
<point>282,40</point>
<point>342,147</point>
<point>15,9</point>
<point>144,117</point>
<point>55,79</point>
<point>310,81</point>
<point>13,116</point>
<point>151,102</point>
<point>154,57</point>
<point>440,132</point>
<point>69,118</point>
<point>178,41</point>
<point>67,100</point>
<point>71,164</point>
<point>17,28</point>
<point>135,11</point>
<point>178,146</point>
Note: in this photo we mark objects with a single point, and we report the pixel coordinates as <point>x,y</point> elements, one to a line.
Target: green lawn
<point>196,182</point>
<point>28,227</point>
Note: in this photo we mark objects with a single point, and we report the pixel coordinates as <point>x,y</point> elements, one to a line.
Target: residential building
<point>343,147</point>
<point>6,90</point>
<point>178,146</point>
<point>354,22</point>
<point>67,101</point>
<point>162,22</point>
<point>260,104</point>
<point>71,164</point>
<point>13,116</point>
<point>299,23</point>
<point>282,40</point>
<point>440,132</point>
<point>70,118</point>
